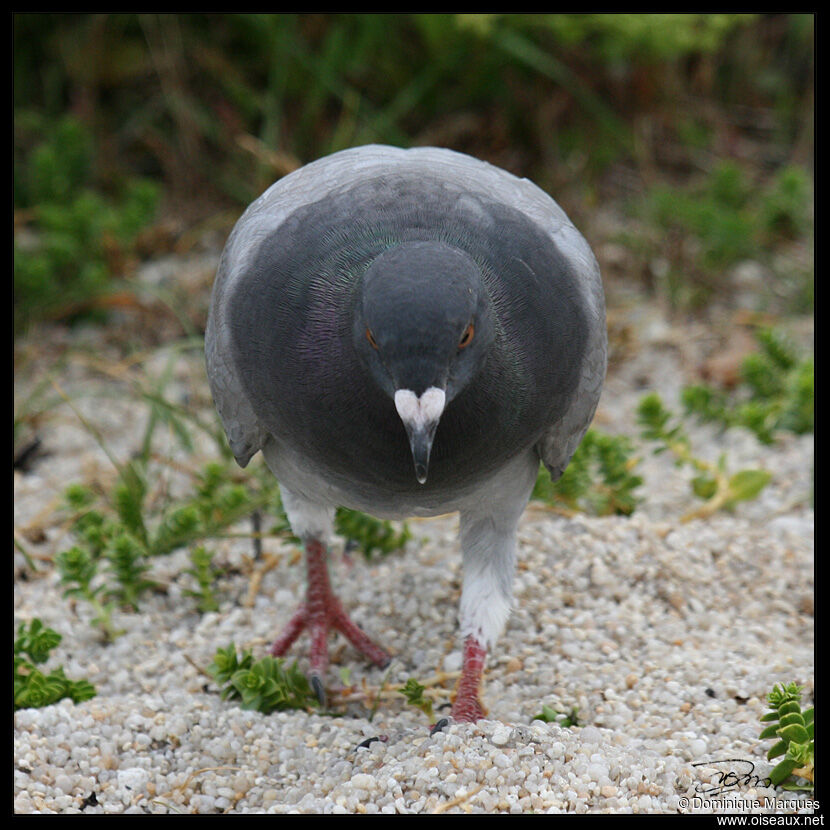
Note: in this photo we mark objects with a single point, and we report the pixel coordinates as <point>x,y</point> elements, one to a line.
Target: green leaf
<point>265,685</point>
<point>747,484</point>
<point>547,715</point>
<point>77,569</point>
<point>790,707</point>
<point>778,749</point>
<point>782,694</point>
<point>129,496</point>
<point>599,478</point>
<point>704,487</point>
<point>550,715</point>
<point>802,753</point>
<point>769,732</point>
<point>81,690</point>
<point>36,641</point>
<point>204,573</point>
<point>790,717</point>
<point>370,534</point>
<point>126,561</point>
<point>33,688</point>
<point>414,693</point>
<point>782,771</point>
<point>794,732</point>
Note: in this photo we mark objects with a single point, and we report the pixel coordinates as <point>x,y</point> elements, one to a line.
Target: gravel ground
<point>665,635</point>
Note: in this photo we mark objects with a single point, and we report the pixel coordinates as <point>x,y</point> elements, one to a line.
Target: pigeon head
<point>422,328</point>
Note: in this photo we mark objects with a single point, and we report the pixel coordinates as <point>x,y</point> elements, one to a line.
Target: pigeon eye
<point>467,337</point>
<point>371,338</point>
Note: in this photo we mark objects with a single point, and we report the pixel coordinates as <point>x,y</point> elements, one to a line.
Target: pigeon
<point>406,332</point>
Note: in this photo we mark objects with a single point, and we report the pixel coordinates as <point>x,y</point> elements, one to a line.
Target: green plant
<point>776,392</point>
<point>240,97</point>
<point>33,688</point>
<point>77,568</point>
<point>204,572</point>
<point>598,480</point>
<point>795,731</point>
<point>565,720</point>
<point>701,230</point>
<point>117,539</point>
<point>119,532</point>
<point>718,488</point>
<point>72,238</point>
<point>370,534</point>
<point>265,685</point>
<point>413,691</point>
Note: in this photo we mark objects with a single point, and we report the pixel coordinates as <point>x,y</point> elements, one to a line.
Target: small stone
<point>133,779</point>
<point>64,783</point>
<point>513,665</point>
<point>502,761</point>
<point>501,736</point>
<point>364,781</point>
<point>698,747</point>
<point>608,791</point>
<point>452,662</point>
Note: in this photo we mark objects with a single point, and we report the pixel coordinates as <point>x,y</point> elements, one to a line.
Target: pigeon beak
<point>420,416</point>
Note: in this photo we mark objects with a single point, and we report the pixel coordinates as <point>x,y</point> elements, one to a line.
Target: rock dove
<point>407,333</point>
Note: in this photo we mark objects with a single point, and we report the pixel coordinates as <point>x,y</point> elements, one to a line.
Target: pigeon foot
<point>320,613</point>
<point>467,705</point>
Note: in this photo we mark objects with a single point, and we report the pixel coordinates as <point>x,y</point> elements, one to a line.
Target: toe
<point>468,708</point>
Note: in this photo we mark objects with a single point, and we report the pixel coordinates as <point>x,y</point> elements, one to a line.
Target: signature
<point>724,780</point>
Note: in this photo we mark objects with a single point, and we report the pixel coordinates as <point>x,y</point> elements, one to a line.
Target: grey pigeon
<point>407,333</point>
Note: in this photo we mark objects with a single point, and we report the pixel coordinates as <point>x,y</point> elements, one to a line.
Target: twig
<point>269,562</point>
<point>198,667</point>
<point>459,799</point>
<point>392,692</point>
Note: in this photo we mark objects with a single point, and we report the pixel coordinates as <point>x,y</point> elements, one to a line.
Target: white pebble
<point>133,779</point>
<point>501,736</point>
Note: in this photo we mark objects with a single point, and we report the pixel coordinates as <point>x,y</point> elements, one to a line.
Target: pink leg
<point>290,633</point>
<point>321,612</point>
<point>467,705</point>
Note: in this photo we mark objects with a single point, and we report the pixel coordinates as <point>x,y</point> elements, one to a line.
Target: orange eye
<point>370,337</point>
<point>467,337</point>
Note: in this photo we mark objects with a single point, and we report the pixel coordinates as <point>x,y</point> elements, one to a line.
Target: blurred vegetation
<point>775,394</point>
<point>702,124</point>
<point>712,482</point>
<point>73,237</point>
<point>702,230</point>
<point>599,478</point>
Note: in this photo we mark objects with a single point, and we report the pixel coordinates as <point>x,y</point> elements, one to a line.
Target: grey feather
<point>293,375</point>
<point>467,177</point>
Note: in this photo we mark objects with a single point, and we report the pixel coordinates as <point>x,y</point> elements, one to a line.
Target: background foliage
<point>121,120</point>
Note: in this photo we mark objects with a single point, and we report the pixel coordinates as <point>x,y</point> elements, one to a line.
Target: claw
<point>317,685</point>
<point>320,613</point>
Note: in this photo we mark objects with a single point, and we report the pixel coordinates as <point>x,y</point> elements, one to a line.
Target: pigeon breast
<point>290,320</point>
